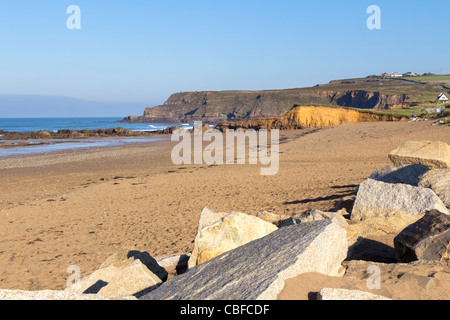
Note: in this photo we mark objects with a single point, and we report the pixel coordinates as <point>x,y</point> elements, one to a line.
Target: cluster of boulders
<point>237,256</point>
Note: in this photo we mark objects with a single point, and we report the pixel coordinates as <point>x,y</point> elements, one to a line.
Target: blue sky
<point>138,52</point>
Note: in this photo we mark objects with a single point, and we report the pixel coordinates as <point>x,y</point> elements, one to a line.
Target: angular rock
<point>179,262</point>
<point>56,295</point>
<point>315,215</point>
<point>133,280</point>
<point>272,217</point>
<point>380,199</point>
<point>438,180</point>
<point>114,265</point>
<point>258,269</point>
<point>345,294</point>
<point>428,239</point>
<point>232,231</point>
<point>94,282</point>
<point>126,255</point>
<point>433,154</point>
<point>209,217</point>
<point>173,260</point>
<point>408,174</point>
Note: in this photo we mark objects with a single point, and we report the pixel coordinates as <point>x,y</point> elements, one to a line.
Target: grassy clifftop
<point>396,97</point>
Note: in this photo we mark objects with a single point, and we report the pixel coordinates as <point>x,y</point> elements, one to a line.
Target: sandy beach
<point>79,207</point>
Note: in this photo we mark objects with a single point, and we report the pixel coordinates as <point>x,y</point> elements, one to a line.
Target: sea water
<point>55,124</point>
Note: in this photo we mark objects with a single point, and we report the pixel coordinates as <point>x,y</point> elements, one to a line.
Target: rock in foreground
<point>379,199</point>
<point>409,174</point>
<point>126,272</point>
<point>427,239</point>
<point>257,270</point>
<point>231,231</point>
<point>433,154</point>
<point>136,279</point>
<point>438,180</point>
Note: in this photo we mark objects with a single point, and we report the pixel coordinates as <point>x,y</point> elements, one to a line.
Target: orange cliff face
<point>320,117</point>
<point>301,117</point>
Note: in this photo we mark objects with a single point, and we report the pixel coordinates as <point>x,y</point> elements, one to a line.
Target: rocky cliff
<point>301,117</point>
<point>214,107</point>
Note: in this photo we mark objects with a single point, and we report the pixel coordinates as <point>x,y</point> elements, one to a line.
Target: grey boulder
<point>258,269</point>
<point>408,174</point>
<point>438,180</point>
<point>428,239</point>
<point>380,199</point>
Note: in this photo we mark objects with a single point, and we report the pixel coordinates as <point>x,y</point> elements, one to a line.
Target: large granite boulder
<point>126,272</point>
<point>135,279</point>
<point>233,230</point>
<point>258,269</point>
<point>427,239</point>
<point>209,217</point>
<point>433,154</point>
<point>438,180</point>
<point>408,174</point>
<point>380,199</point>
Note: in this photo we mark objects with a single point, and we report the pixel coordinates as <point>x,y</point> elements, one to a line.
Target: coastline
<point>78,207</point>
<point>17,148</point>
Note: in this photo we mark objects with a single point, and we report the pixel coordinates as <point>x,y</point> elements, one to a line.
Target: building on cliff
<point>442,98</point>
<point>396,75</point>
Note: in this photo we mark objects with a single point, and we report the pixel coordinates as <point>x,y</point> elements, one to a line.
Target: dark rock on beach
<point>80,134</point>
<point>427,239</point>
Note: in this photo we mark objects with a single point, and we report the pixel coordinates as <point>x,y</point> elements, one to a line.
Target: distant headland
<point>387,95</point>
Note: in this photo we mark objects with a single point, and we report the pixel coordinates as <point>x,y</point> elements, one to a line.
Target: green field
<point>431,78</point>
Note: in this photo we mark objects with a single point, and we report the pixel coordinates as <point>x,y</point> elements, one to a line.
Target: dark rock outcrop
<point>370,100</point>
<point>80,134</point>
<point>427,239</point>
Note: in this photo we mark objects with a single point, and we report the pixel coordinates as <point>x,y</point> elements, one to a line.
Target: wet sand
<point>78,207</point>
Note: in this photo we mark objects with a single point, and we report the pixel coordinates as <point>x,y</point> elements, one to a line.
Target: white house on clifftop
<point>442,98</point>
<point>396,75</point>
